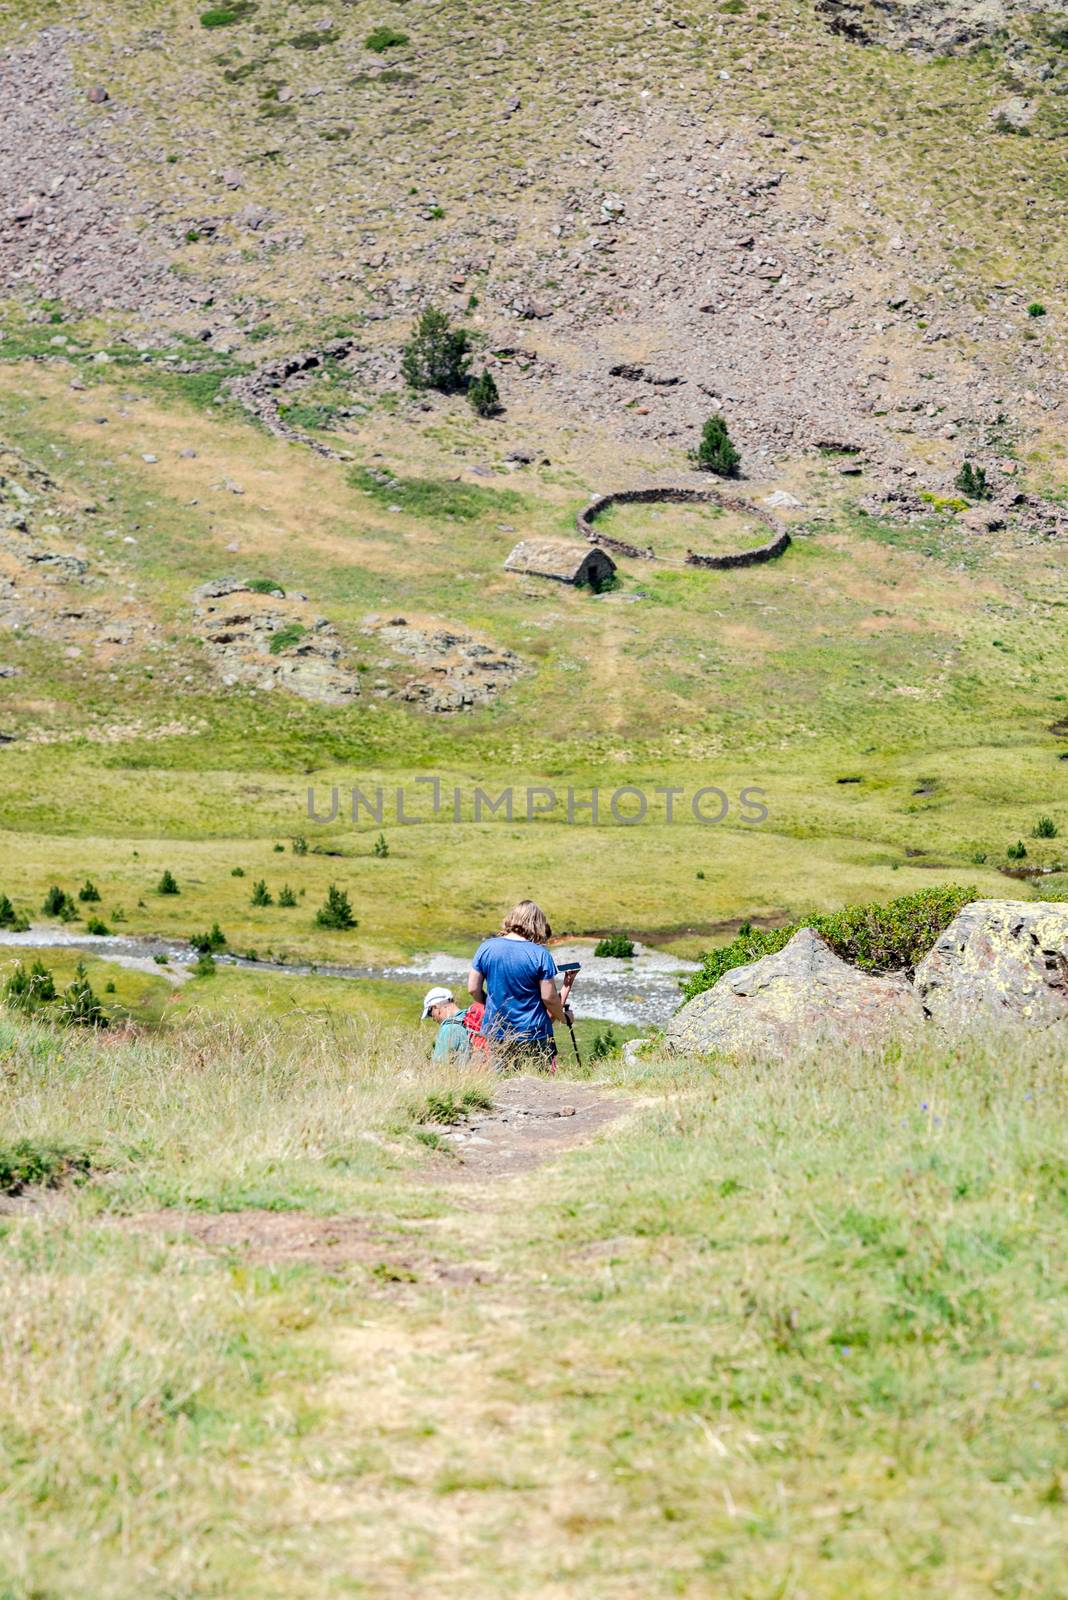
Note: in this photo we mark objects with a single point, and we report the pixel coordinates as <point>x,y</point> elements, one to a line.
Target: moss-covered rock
<point>799,997</point>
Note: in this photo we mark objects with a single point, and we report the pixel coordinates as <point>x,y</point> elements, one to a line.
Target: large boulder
<point>803,996</point>
<point>1000,959</point>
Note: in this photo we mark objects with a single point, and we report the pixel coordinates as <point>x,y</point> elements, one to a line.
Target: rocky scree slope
<point>682,238</point>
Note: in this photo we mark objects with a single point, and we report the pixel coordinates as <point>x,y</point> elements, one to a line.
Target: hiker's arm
<point>476,985</point>
<point>552,1001</point>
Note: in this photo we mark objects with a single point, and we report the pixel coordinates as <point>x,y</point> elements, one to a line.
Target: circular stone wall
<point>586,520</point>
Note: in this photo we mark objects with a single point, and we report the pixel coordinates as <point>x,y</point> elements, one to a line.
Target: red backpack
<point>472,1021</point>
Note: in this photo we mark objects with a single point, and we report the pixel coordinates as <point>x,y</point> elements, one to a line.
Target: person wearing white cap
<point>453,1042</point>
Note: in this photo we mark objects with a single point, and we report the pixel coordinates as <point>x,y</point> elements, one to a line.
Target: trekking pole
<point>570,970</point>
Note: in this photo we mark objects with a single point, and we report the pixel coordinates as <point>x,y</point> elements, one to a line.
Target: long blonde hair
<point>530,921</point>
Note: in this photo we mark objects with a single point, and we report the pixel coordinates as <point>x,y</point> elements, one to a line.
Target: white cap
<point>435,997</point>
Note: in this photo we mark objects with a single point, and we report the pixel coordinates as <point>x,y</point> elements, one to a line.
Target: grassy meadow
<point>892,691</point>
<point>774,1332</point>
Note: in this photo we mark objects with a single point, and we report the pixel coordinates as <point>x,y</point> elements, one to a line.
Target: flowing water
<point>642,990</point>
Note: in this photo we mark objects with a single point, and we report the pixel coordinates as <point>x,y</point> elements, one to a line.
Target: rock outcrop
<point>1005,960</point>
<point>800,997</point>
<point>268,640</point>
<point>448,670</point>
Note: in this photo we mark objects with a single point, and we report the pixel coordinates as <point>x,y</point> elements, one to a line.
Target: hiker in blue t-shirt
<point>514,973</point>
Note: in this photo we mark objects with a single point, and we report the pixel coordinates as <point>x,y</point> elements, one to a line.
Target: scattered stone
<point>1014,115</point>
<point>981,519</point>
<point>97,95</point>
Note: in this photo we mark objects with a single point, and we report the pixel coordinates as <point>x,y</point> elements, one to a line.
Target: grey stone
<point>999,959</point>
<point>797,999</point>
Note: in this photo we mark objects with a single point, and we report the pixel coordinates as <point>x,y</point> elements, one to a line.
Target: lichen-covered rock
<point>800,997</point>
<point>999,959</point>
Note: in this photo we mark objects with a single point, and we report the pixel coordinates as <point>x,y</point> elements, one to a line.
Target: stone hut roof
<point>562,559</point>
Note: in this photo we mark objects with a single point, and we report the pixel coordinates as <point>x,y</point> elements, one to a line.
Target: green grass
<point>430,497</point>
<point>792,1325</point>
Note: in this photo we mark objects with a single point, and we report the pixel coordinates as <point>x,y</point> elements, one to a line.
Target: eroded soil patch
<point>532,1121</point>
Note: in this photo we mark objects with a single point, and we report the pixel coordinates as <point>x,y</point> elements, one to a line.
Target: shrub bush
<point>380,848</point>
<point>225,16</point>
<point>335,912</point>
<point>604,1044</point>
<point>205,965</point>
<point>971,481</point>
<point>27,1163</point>
<point>1045,828</point>
<point>267,586</point>
<point>313,38</point>
<point>437,354</point>
<point>615,944</point>
<point>97,926</point>
<point>876,938</point>
<point>1036,309</point>
<point>716,453</point>
<point>299,845</point>
<point>484,396</point>
<point>383,38</point>
<point>168,884</point>
<point>1017,851</point>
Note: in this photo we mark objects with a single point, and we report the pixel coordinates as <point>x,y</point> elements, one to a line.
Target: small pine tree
<point>205,965</point>
<point>78,1005</point>
<point>380,848</point>
<point>168,884</point>
<point>237,872</point>
<point>88,894</point>
<point>335,912</point>
<point>27,988</point>
<point>971,481</point>
<point>286,896</point>
<point>1017,851</point>
<point>261,895</point>
<point>716,453</point>
<point>58,903</point>
<point>1045,828</point>
<point>97,926</point>
<point>10,918</point>
<point>436,356</point>
<point>484,396</point>
<point>205,943</point>
<point>299,845</point>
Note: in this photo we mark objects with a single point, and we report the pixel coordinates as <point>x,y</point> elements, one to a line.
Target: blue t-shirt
<point>513,970</point>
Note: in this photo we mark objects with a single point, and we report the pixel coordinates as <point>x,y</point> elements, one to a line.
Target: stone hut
<point>563,560</point>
